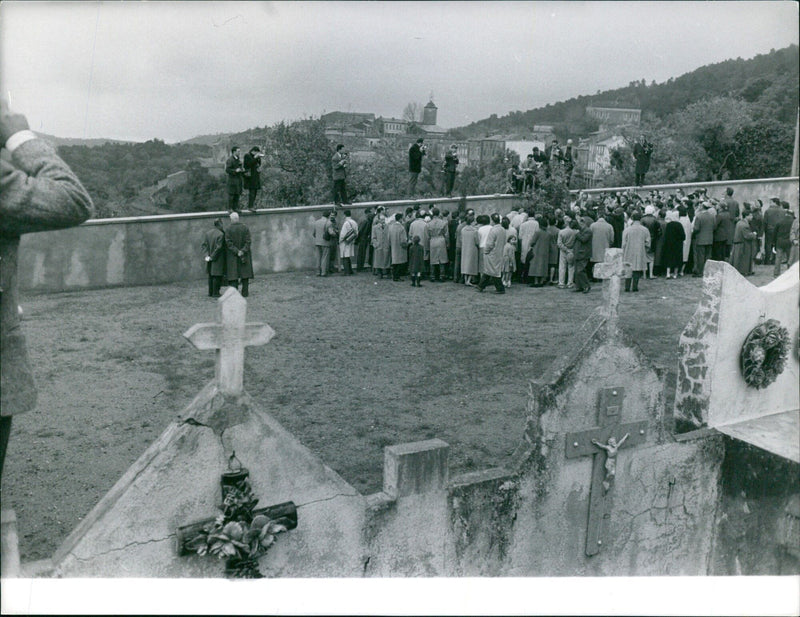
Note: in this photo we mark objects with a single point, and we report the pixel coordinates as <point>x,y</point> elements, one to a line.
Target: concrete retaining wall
<point>150,250</point>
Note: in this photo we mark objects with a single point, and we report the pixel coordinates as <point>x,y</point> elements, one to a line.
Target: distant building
<point>615,116</point>
<point>594,156</point>
<point>391,126</point>
<point>347,124</point>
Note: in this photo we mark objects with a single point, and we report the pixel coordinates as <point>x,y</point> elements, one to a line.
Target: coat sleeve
<point>219,246</point>
<point>38,191</point>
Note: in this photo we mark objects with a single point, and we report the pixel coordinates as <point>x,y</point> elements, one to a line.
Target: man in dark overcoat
<point>214,255</point>
<point>364,239</point>
<point>238,257</point>
<point>38,192</point>
<point>703,236</point>
<point>252,175</point>
<point>234,171</point>
<point>415,154</point>
<point>642,150</point>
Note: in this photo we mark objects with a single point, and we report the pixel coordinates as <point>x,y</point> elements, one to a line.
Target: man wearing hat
<point>772,216</point>
<point>238,256</point>
<point>252,176</point>
<point>703,232</point>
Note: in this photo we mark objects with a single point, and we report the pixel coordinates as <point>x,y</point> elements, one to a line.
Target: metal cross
<point>604,442</point>
<point>229,337</point>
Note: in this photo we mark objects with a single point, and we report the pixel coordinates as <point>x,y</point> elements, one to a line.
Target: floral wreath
<point>764,353</point>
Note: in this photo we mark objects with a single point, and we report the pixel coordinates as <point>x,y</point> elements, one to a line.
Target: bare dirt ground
<point>357,364</point>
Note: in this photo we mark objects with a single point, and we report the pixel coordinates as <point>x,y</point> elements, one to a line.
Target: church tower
<point>429,114</point>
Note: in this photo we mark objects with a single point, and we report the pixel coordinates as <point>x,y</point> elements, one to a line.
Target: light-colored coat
<point>418,227</point>
<point>39,192</point>
<point>347,249</point>
<point>526,232</point>
<point>469,250</point>
<point>602,238</point>
<point>493,254</point>
<point>380,243</point>
<point>635,244</point>
<point>398,242</point>
<point>438,241</point>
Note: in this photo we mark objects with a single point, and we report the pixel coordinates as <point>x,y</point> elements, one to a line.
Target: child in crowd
<point>416,259</point>
<point>509,260</point>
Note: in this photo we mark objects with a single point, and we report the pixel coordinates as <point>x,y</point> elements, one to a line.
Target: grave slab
<point>132,530</point>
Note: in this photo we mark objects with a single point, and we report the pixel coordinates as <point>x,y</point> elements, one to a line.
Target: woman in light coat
<point>635,245</point>
<point>380,245</point>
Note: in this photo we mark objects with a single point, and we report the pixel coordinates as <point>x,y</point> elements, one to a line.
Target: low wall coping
<point>722,183</point>
<point>159,218</point>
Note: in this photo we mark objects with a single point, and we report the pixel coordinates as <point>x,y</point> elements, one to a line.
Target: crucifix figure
<point>611,448</point>
<point>603,443</point>
<point>228,338</point>
<point>612,270</point>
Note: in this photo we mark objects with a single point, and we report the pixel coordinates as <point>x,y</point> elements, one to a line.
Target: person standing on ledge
<point>252,175</point>
<point>238,258</point>
<point>415,154</point>
<point>339,162</point>
<point>642,150</point>
<point>214,255</point>
<point>234,171</point>
<point>450,165</point>
<point>38,192</point>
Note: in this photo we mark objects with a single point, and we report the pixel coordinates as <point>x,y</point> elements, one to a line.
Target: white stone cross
<point>612,270</point>
<point>229,337</point>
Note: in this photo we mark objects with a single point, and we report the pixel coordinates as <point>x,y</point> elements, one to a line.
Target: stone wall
<point>151,250</point>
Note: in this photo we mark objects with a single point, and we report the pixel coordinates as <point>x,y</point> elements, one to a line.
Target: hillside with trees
<point>767,80</point>
<point>734,119</point>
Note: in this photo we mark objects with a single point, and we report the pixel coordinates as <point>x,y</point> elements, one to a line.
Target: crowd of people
<point>660,235</point>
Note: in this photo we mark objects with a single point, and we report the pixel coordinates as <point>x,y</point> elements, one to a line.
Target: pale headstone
<point>228,338</point>
<point>712,391</point>
<point>612,270</point>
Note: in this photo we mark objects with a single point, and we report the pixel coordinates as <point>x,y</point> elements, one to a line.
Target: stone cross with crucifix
<point>604,443</point>
<point>612,270</point>
<point>229,337</point>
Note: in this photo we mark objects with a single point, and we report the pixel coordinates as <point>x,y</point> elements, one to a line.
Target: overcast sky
<point>174,70</point>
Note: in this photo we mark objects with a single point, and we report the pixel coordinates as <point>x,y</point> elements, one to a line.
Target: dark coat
<point>214,247</point>
<point>703,228</point>
<point>415,155</point>
<point>450,162</point>
<point>416,259</point>
<point>39,193</point>
<point>252,175</point>
<point>783,231</point>
<point>672,250</point>
<point>552,231</point>
<point>742,253</point>
<point>617,221</point>
<point>540,253</point>
<point>234,171</point>
<point>237,238</point>
<point>772,217</point>
<point>651,224</point>
<point>642,155</point>
<point>582,249</point>
<point>723,227</point>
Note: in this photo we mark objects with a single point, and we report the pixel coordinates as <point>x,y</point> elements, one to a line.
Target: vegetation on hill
<point>770,80</point>
<point>734,119</point>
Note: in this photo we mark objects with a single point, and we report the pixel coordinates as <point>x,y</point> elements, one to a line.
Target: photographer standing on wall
<point>415,154</point>
<point>339,162</point>
<point>252,175</point>
<point>642,150</point>
<point>234,171</point>
<point>38,192</point>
